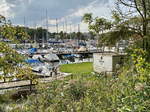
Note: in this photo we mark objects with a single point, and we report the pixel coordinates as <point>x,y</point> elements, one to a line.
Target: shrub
<point>76,90</point>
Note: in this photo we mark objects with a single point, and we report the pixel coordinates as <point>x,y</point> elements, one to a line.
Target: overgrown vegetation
<point>129,92</point>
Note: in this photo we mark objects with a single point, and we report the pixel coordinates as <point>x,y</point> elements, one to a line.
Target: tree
<point>62,35</point>
<point>139,9</point>
<point>87,18</point>
<point>97,25</point>
<point>11,62</point>
<point>8,60</point>
<point>122,29</point>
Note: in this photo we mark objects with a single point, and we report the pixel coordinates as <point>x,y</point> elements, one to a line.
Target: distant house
<point>107,62</point>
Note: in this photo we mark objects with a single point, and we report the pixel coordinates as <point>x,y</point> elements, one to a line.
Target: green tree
<point>11,62</point>
<point>140,9</point>
<point>97,25</point>
<point>87,18</point>
<point>62,35</point>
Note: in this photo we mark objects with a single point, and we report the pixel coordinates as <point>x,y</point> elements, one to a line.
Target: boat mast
<point>35,43</point>
<point>78,33</point>
<point>46,28</point>
<point>63,27</point>
<point>70,31</point>
<point>57,26</point>
<point>42,31</point>
<point>74,28</point>
<point>74,31</point>
<point>57,29</point>
<point>66,25</point>
<point>24,21</point>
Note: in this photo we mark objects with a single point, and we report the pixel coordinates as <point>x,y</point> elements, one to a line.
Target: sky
<point>32,13</point>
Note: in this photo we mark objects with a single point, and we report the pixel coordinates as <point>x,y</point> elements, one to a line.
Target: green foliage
<point>137,98</point>
<point>129,92</point>
<point>9,59</point>
<point>11,63</point>
<point>87,18</point>
<point>121,33</point>
<point>96,25</point>
<point>76,90</point>
<point>136,18</point>
<point>130,24</point>
<point>116,17</point>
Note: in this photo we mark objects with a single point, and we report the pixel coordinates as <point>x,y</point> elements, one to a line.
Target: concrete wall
<point>107,62</point>
<point>102,63</point>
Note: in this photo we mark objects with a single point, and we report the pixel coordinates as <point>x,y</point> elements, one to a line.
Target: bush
<point>76,90</point>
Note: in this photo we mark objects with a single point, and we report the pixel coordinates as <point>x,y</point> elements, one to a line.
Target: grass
<point>83,92</point>
<point>80,68</point>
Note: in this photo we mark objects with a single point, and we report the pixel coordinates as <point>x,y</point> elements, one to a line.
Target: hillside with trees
<point>39,34</point>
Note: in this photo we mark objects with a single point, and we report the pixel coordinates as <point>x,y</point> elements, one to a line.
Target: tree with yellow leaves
<point>12,64</point>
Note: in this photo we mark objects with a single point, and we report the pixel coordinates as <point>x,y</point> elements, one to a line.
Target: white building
<point>107,62</point>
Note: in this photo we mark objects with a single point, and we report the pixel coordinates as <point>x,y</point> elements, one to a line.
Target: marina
<point>74,55</point>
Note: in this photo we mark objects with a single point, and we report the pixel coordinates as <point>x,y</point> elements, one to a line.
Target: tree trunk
<point>145,47</point>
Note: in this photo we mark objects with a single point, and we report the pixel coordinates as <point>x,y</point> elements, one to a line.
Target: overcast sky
<point>34,12</point>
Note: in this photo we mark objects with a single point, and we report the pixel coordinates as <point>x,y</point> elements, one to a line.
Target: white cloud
<point>81,11</point>
<point>9,8</point>
<point>96,7</point>
<point>5,9</point>
<point>17,8</point>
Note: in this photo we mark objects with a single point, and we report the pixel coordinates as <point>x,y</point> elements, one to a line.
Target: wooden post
<point>30,84</point>
<point>4,79</point>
